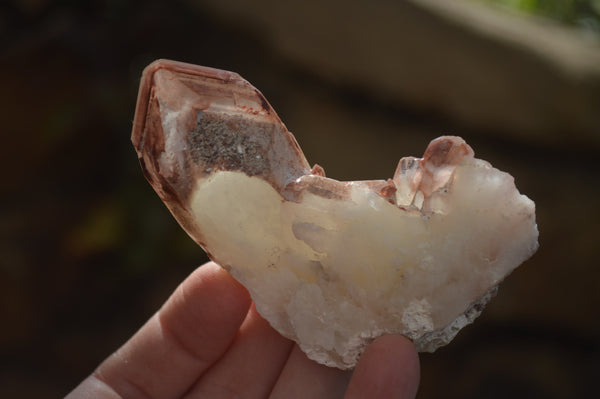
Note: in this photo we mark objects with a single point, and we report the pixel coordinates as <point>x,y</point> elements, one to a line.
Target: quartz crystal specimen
<point>330,264</point>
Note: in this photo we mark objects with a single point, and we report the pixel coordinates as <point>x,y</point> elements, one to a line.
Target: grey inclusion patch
<point>230,142</point>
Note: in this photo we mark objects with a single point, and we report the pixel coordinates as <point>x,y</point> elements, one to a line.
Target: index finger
<point>180,342</point>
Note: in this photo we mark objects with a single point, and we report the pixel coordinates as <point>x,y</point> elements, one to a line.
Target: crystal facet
<point>330,264</point>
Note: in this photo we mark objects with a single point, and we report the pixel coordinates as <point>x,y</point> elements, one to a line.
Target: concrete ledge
<point>523,77</point>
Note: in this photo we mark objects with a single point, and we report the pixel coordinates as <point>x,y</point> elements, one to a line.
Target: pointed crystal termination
<point>330,264</point>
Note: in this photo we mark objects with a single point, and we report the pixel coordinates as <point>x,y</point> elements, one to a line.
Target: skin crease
<point>208,341</point>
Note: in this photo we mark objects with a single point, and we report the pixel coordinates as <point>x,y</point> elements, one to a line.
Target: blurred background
<point>88,251</point>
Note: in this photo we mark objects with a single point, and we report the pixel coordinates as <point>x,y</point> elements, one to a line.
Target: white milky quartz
<point>334,274</point>
<point>331,265</point>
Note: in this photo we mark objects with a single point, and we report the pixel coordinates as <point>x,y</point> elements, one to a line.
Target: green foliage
<point>584,14</point>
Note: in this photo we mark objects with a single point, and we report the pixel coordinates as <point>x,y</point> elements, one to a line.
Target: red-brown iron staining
<point>388,191</point>
<point>193,121</point>
<point>317,185</point>
<point>446,150</point>
<point>211,120</point>
<point>317,170</point>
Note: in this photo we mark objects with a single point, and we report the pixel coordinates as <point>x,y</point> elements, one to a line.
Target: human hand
<point>208,341</point>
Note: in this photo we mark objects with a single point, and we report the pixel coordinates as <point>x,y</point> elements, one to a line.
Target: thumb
<point>389,368</point>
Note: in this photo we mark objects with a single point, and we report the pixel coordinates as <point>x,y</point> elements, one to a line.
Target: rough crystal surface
<point>331,265</point>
